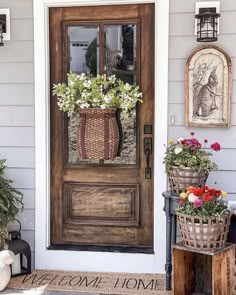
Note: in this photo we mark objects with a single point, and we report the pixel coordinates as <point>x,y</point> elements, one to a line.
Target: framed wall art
<point>208,83</point>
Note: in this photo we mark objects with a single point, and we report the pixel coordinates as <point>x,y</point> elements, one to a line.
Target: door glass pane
<point>83,57</point>
<point>120,52</point>
<point>120,60</point>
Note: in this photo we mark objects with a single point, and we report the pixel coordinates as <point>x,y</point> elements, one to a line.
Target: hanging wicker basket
<point>181,178</point>
<point>207,234</point>
<point>98,134</point>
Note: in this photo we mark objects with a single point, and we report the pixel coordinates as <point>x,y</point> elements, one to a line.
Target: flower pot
<point>203,234</point>
<point>98,134</point>
<point>180,178</point>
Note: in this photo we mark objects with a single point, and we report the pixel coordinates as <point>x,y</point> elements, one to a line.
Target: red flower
<point>215,146</point>
<point>206,198</point>
<point>181,200</point>
<point>205,140</point>
<point>198,192</point>
<point>192,133</point>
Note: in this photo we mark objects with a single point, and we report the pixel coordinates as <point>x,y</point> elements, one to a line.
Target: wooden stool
<point>203,272</point>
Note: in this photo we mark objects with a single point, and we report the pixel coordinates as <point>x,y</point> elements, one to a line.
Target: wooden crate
<point>203,272</point>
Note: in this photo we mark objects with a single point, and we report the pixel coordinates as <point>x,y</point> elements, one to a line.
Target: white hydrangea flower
<point>87,84</point>
<point>192,198</point>
<point>107,98</point>
<point>178,149</point>
<point>84,105</point>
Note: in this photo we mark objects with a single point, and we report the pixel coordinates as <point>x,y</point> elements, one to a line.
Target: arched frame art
<point>208,83</point>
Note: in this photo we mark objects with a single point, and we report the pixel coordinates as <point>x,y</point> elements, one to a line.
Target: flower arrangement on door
<point>203,217</point>
<point>188,162</point>
<point>97,100</point>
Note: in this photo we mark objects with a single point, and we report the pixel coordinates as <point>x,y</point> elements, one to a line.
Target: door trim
<point>104,261</point>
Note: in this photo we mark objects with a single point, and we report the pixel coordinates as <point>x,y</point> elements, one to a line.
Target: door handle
<point>147,152</point>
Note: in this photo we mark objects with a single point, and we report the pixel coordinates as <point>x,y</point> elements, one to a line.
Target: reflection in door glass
<point>83,57</point>
<point>120,60</point>
<point>84,49</point>
<point>120,51</point>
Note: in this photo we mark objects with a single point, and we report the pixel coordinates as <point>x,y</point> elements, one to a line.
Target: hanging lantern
<point>207,24</point>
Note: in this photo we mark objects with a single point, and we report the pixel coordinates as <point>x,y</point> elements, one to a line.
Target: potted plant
<point>96,99</point>
<point>187,162</point>
<point>10,204</point>
<point>203,217</point>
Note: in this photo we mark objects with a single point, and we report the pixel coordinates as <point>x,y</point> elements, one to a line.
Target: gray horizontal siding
<point>184,6</point>
<point>19,8</point>
<point>17,136</point>
<point>17,116</point>
<point>25,48</point>
<point>17,94</point>
<point>16,72</point>
<point>182,24</point>
<point>22,29</point>
<point>29,198</point>
<point>177,50</point>
<point>21,157</point>
<point>23,178</point>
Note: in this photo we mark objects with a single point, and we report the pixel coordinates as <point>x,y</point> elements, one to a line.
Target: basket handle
<point>224,211</point>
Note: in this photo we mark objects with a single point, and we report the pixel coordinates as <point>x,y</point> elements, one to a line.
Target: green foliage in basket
<point>10,202</point>
<point>190,153</point>
<point>204,202</point>
<point>85,91</point>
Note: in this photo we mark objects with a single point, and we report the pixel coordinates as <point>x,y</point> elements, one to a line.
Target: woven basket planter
<point>208,235</point>
<point>98,134</point>
<point>181,178</point>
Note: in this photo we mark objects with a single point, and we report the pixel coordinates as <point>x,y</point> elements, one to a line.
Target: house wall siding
<point>181,42</point>
<point>17,109</point>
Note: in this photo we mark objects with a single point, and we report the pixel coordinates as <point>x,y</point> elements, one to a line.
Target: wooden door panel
<point>102,204</point>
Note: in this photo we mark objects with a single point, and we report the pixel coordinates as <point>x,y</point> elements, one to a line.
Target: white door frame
<point>85,260</point>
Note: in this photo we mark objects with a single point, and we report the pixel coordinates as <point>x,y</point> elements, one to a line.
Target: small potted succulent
<point>97,100</point>
<point>10,204</point>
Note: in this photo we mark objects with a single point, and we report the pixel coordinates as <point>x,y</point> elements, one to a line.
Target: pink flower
<point>215,146</point>
<point>205,140</point>
<point>197,203</point>
<point>192,133</point>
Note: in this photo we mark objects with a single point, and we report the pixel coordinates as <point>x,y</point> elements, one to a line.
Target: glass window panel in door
<point>83,54</point>
<point>120,60</point>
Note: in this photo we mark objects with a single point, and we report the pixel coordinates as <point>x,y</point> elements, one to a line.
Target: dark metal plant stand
<point>171,203</point>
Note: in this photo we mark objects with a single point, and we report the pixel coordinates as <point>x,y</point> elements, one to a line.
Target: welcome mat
<point>92,282</point>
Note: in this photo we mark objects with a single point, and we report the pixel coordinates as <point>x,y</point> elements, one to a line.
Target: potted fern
<point>10,204</point>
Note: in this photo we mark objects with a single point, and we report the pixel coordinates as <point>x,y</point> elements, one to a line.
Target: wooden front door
<point>105,205</point>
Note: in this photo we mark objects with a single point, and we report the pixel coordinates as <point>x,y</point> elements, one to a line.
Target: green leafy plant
<point>204,202</point>
<point>85,91</point>
<point>189,153</point>
<point>10,203</point>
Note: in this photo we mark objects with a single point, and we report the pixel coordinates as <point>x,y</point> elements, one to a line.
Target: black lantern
<point>20,248</point>
<point>2,27</point>
<point>207,24</point>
